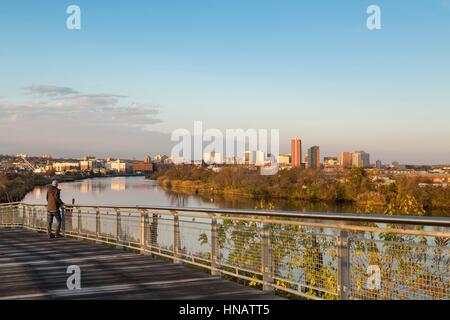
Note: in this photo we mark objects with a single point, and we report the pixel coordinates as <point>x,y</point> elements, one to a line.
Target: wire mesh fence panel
<point>108,225</point>
<point>10,215</point>
<point>39,217</point>
<point>399,270</point>
<point>130,230</point>
<point>161,234</point>
<point>305,260</point>
<point>240,244</point>
<point>70,221</point>
<point>195,239</point>
<point>88,222</point>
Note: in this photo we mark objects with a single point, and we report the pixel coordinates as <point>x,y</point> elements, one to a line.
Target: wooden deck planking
<point>34,267</point>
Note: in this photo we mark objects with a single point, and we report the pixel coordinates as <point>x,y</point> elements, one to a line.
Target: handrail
<point>376,218</point>
<point>10,204</point>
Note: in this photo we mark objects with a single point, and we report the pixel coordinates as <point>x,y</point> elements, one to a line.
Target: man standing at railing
<point>54,204</point>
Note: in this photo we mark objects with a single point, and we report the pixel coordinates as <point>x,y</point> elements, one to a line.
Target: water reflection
<point>117,191</point>
<point>132,191</point>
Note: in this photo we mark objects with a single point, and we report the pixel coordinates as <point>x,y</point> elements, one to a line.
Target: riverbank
<point>353,187</point>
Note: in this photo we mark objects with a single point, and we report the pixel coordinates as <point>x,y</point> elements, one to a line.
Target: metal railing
<point>311,255</point>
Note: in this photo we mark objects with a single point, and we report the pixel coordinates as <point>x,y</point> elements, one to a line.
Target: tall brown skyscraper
<point>314,157</point>
<point>346,160</point>
<point>296,151</point>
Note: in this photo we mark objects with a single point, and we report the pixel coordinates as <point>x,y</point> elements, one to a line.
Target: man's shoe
<point>50,236</point>
<point>59,236</point>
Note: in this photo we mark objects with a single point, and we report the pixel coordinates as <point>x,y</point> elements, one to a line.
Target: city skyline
<point>137,71</point>
<point>344,159</point>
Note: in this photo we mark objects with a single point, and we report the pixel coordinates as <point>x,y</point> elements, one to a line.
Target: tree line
<point>357,186</point>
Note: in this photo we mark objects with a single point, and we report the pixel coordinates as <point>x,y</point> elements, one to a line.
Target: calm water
<point>132,191</point>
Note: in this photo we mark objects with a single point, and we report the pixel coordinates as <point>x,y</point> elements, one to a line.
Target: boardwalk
<point>34,267</point>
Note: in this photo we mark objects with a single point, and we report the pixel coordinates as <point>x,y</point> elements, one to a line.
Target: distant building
<point>142,167</point>
<point>89,165</point>
<point>346,160</point>
<point>260,158</point>
<point>397,166</point>
<point>254,158</point>
<point>378,164</point>
<point>314,157</point>
<point>212,157</point>
<point>296,152</point>
<point>331,162</point>
<point>65,166</point>
<point>119,166</point>
<point>249,157</point>
<point>147,159</point>
<point>87,158</point>
<point>360,159</point>
<point>284,159</point>
<point>161,158</point>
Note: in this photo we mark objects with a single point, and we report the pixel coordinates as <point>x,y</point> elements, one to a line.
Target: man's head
<point>55,183</point>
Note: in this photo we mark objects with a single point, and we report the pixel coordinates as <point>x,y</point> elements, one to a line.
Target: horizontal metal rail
<point>342,217</point>
<point>312,255</point>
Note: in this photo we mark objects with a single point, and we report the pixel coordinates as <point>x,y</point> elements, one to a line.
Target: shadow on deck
<point>34,267</point>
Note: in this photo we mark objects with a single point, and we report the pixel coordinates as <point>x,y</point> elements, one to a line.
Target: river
<point>133,191</point>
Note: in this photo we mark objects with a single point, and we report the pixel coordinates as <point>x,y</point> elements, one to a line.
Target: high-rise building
<point>314,157</point>
<point>378,164</point>
<point>360,159</point>
<point>296,152</point>
<point>346,160</point>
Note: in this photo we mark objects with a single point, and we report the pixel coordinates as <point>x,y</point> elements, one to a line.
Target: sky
<point>140,69</point>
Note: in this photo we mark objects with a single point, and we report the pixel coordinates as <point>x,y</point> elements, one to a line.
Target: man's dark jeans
<point>57,215</point>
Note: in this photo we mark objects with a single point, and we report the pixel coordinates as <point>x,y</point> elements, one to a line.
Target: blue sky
<point>310,68</point>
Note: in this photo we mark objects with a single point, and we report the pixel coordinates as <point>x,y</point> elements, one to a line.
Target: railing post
<point>266,257</point>
<point>154,230</point>
<point>79,223</point>
<point>24,213</point>
<point>176,237</point>
<point>118,229</point>
<point>30,220</point>
<point>63,221</point>
<point>214,247</point>
<point>68,218</point>
<point>343,254</point>
<point>144,224</point>
<point>13,214</point>
<point>97,224</point>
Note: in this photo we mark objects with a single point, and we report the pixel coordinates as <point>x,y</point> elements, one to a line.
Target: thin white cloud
<point>51,91</point>
<point>107,117</point>
<point>62,104</point>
